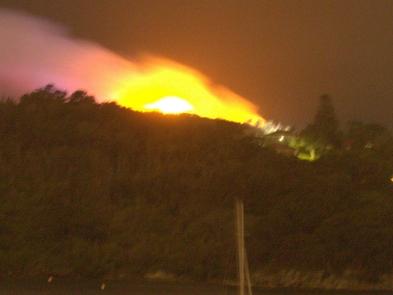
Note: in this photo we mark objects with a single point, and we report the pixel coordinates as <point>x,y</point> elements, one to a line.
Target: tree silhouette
<point>92,190</point>
<point>325,127</point>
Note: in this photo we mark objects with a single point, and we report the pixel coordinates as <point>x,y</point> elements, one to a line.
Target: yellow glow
<point>391,179</point>
<point>170,105</point>
<point>161,85</point>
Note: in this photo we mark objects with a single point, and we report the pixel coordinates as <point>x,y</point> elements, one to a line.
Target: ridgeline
<point>94,190</point>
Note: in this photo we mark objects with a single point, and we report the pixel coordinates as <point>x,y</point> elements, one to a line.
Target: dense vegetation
<point>93,189</point>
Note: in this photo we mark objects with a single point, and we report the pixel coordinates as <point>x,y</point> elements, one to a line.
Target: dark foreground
<point>141,288</point>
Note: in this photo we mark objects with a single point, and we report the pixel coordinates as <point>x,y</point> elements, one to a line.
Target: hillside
<point>93,190</point>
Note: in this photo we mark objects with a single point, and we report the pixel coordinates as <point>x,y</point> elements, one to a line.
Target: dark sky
<point>282,55</point>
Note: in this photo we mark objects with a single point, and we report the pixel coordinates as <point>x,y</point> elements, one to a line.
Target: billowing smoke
<point>35,52</point>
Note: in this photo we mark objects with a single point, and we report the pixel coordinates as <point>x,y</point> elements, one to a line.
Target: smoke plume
<point>35,52</point>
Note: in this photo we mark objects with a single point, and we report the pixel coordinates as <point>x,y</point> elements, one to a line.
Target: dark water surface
<point>143,288</point>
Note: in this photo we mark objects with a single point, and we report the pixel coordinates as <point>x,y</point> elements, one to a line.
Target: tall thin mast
<point>243,264</point>
<point>247,269</point>
<point>240,244</point>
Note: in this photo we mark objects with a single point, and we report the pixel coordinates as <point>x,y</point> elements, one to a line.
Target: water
<point>142,288</point>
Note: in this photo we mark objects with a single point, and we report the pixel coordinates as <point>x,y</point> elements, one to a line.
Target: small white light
<point>281,139</point>
<point>103,286</point>
<point>369,145</point>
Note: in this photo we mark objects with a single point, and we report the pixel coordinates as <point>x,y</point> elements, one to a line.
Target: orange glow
<point>161,85</point>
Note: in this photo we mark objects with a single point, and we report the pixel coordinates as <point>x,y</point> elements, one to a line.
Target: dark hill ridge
<point>98,190</point>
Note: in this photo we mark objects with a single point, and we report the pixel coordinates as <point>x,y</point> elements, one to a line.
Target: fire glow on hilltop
<point>170,105</point>
<point>170,88</point>
<point>145,84</point>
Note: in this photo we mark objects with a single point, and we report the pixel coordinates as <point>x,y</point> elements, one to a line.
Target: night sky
<point>282,55</point>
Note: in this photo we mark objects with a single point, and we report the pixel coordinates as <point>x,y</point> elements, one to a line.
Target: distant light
<point>271,127</point>
<point>369,145</point>
<point>103,286</point>
<point>391,179</point>
<point>50,279</point>
<point>281,139</point>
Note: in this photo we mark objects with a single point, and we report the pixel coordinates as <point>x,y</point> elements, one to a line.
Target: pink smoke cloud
<point>35,52</point>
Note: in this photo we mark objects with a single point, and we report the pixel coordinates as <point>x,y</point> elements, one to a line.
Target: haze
<point>281,55</point>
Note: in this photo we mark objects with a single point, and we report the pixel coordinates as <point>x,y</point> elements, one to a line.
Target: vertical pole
<point>240,243</point>
<point>247,270</point>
